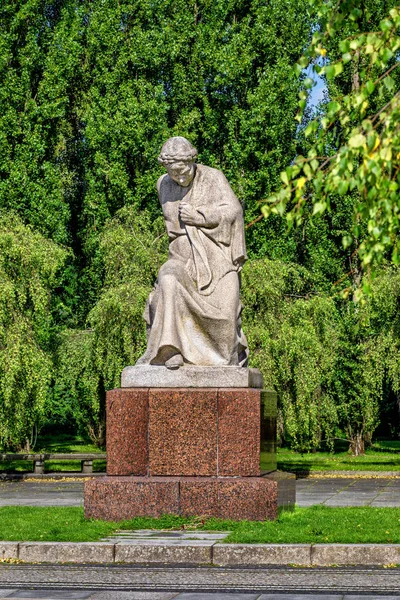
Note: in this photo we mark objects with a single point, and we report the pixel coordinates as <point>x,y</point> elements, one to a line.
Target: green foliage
<point>355,145</point>
<point>78,393</point>
<point>89,91</point>
<point>29,265</point>
<point>329,360</point>
<point>293,337</point>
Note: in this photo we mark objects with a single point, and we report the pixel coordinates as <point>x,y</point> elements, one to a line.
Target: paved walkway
<point>348,492</point>
<point>61,582</point>
<point>330,492</point>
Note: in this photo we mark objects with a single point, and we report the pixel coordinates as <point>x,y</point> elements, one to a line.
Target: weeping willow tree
<point>29,266</point>
<point>294,340</point>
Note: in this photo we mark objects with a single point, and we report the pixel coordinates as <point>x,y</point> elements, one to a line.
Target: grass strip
<point>379,459</point>
<point>316,524</point>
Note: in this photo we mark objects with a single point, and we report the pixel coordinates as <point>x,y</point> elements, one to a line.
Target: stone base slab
<point>237,498</point>
<point>153,376</point>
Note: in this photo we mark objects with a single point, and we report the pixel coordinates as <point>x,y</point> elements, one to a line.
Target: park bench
<point>39,459</point>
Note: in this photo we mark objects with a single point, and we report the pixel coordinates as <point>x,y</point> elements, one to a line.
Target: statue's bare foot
<point>174,362</point>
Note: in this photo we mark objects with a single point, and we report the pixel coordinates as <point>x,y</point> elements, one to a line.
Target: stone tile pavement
<point>41,493</point>
<point>382,492</point>
<point>336,491</point>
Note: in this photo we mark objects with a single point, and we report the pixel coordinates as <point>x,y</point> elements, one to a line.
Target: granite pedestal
<point>189,451</point>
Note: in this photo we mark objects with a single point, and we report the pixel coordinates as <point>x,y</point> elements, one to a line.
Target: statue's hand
<point>189,215</point>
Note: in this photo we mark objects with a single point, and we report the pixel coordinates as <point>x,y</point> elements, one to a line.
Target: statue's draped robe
<point>195,306</point>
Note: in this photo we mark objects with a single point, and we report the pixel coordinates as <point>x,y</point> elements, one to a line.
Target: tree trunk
<point>357,444</point>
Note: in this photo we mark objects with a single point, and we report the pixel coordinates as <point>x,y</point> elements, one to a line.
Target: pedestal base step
<point>238,498</point>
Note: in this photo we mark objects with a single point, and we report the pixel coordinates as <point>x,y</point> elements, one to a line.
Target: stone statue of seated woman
<point>193,314</point>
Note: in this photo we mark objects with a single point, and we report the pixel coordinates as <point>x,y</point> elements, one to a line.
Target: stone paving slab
<point>41,493</point>
<point>155,542</point>
<point>55,552</point>
<point>8,550</point>
<point>151,535</point>
<point>261,554</point>
<point>300,597</point>
<point>357,554</point>
<point>347,473</point>
<point>182,552</point>
<point>348,492</point>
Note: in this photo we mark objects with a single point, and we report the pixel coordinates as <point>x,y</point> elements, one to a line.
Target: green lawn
<point>383,456</point>
<point>317,524</point>
<point>65,443</point>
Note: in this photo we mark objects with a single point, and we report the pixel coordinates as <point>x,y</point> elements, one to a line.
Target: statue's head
<point>178,156</point>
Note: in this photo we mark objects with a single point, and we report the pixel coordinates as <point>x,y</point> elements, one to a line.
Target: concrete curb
<point>199,552</point>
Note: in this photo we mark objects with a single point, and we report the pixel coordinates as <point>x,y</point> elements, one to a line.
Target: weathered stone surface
<point>118,498</point>
<point>53,552</point>
<point>182,434</point>
<point>355,554</point>
<point>250,498</point>
<point>261,554</point>
<point>238,433</point>
<point>153,376</point>
<point>188,553</point>
<point>8,550</point>
<point>127,425</point>
<point>193,314</point>
<point>199,496</point>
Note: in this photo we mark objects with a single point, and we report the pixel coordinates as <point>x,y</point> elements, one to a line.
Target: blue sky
<point>316,94</point>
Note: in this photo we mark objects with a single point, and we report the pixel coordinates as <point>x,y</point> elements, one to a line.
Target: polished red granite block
<point>238,432</point>
<point>238,498</point>
<point>249,498</point>
<point>199,496</point>
<point>127,424</point>
<point>183,431</point>
<point>118,498</point>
